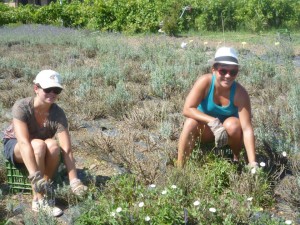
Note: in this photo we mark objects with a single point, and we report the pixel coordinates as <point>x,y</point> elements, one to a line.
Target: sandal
<point>78,188</point>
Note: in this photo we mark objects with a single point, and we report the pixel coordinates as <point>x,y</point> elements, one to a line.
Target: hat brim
<point>225,62</point>
<point>50,85</point>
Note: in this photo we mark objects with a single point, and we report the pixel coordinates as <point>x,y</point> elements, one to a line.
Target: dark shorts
<point>9,147</point>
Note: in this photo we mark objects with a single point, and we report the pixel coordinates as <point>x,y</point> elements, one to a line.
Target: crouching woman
<point>30,141</point>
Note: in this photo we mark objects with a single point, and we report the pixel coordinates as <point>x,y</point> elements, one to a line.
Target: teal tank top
<point>208,106</point>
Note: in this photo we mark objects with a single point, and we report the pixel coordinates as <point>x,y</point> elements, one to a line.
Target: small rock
<point>93,166</point>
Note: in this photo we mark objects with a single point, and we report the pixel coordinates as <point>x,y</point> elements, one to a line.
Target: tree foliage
<point>142,16</point>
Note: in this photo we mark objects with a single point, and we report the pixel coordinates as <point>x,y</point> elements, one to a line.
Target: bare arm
<point>24,145</point>
<point>195,97</point>
<point>65,144</point>
<point>243,102</point>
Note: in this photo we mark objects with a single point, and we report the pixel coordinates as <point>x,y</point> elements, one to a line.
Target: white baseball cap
<point>226,55</point>
<point>48,79</point>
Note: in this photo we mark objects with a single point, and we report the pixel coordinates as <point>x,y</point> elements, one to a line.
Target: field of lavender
<point>123,98</point>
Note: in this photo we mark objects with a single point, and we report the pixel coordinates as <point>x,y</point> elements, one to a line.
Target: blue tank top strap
<point>212,87</point>
<point>232,92</point>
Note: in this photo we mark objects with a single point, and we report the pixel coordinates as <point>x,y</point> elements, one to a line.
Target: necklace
<point>41,117</point>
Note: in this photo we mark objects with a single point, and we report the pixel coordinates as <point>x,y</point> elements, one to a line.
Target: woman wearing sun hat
<point>218,109</point>
<point>30,140</point>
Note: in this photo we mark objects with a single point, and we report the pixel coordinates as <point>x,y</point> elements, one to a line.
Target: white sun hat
<point>226,55</point>
<point>48,79</point>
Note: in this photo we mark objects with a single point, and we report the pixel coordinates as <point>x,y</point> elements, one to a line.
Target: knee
<point>233,126</point>
<point>189,128</point>
<point>53,147</point>
<point>192,131</point>
<point>39,148</point>
<point>190,125</point>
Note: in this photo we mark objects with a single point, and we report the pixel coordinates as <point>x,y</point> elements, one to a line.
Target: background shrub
<point>144,16</point>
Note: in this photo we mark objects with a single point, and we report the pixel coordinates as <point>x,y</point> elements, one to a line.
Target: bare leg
<point>39,148</point>
<point>35,159</point>
<point>235,135</point>
<point>52,158</point>
<point>27,158</point>
<point>192,130</point>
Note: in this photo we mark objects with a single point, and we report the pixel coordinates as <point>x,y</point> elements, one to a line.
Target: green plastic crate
<point>17,179</point>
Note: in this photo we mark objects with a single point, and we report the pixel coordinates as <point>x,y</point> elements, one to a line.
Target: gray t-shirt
<point>23,110</point>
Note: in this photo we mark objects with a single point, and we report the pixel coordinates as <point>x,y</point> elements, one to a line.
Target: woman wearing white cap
<point>218,109</point>
<point>30,139</point>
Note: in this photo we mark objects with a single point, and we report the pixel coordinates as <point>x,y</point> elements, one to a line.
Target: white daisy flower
<point>213,210</point>
<point>284,154</point>
<point>250,199</point>
<point>183,45</point>
<point>262,164</point>
<point>288,222</point>
<point>113,214</point>
<point>253,170</point>
<point>196,203</point>
<point>174,186</point>
<point>152,185</point>
<point>141,204</point>
<point>147,218</point>
<point>119,209</point>
<point>164,192</point>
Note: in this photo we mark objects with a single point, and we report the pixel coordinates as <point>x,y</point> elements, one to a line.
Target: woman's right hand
<point>220,133</point>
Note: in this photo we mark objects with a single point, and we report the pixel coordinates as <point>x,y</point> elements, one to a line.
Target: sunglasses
<point>55,90</point>
<point>232,73</point>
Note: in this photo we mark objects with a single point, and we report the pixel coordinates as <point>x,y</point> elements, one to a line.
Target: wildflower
<point>164,192</point>
<point>196,203</point>
<point>183,45</point>
<point>147,218</point>
<point>205,43</point>
<point>213,210</point>
<point>284,154</point>
<point>288,222</point>
<point>174,186</point>
<point>277,43</point>
<point>253,170</point>
<point>160,31</point>
<point>119,209</point>
<point>191,41</point>
<point>262,164</point>
<point>141,204</point>
<point>244,43</point>
<point>250,199</point>
<point>152,185</point>
<point>113,214</point>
